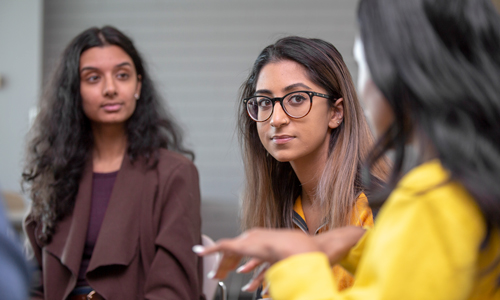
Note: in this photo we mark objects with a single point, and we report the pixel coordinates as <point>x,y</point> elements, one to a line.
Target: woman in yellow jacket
<point>429,84</point>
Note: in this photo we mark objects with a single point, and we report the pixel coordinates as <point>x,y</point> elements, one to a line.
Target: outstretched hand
<point>263,244</point>
<point>272,245</point>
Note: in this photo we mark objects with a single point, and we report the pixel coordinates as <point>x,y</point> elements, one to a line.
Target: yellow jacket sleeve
<point>291,278</point>
<point>424,246</point>
<point>351,261</point>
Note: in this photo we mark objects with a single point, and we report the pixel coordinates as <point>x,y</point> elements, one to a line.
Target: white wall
<point>200,52</point>
<point>20,68</point>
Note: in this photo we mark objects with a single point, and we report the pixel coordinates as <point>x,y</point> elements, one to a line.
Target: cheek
<point>384,117</point>
<point>87,101</point>
<point>378,112</point>
<point>315,135</point>
<point>133,106</point>
<point>363,76</point>
<point>261,131</point>
<point>91,97</point>
<point>90,93</point>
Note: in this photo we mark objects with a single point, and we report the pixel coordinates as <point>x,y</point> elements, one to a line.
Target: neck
<point>309,171</point>
<point>423,148</point>
<point>110,143</point>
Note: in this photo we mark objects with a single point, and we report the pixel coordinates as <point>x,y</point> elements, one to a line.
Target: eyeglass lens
<point>296,105</point>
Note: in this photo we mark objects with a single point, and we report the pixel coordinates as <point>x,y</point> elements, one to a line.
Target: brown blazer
<point>143,250</point>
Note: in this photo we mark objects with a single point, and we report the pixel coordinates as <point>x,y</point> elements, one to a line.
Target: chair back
<point>210,262</point>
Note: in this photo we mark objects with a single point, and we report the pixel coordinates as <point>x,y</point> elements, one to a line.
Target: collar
<point>299,218</point>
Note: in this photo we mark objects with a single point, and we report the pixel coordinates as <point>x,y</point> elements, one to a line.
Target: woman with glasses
<point>304,137</point>
<point>114,213</point>
<point>429,82</point>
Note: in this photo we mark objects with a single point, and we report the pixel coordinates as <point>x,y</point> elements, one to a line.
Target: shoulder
<point>173,166</point>
<point>169,161</point>
<point>429,195</point>
<point>178,180</point>
<point>431,183</point>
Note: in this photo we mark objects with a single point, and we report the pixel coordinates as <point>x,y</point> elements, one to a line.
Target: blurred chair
<point>497,4</point>
<point>209,263</point>
<point>16,208</point>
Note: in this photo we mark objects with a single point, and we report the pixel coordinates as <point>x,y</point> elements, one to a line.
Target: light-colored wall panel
<point>20,69</point>
<point>200,52</point>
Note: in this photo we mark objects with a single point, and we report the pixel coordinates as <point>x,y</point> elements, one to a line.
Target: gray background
<point>20,69</point>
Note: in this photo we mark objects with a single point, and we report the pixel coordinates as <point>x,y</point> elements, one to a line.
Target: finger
<point>249,266</point>
<point>265,290</point>
<point>230,258</point>
<point>255,282</point>
<point>202,250</point>
<point>228,263</point>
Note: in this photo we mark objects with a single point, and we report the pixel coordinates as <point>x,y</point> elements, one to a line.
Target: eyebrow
<point>286,89</point>
<point>90,68</point>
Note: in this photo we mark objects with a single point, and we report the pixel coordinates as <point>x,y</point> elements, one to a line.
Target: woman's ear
<point>337,114</point>
<point>139,86</point>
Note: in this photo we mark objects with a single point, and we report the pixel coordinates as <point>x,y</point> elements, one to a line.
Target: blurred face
<point>109,85</point>
<point>288,139</point>
<point>377,110</point>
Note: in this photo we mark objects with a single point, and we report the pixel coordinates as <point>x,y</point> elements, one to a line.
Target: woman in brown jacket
<point>114,213</point>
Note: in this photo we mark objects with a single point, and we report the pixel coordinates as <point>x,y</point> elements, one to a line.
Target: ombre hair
<point>271,186</point>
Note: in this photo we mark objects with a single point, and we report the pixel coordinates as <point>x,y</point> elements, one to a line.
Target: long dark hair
<point>61,137</point>
<point>271,186</point>
<point>438,65</point>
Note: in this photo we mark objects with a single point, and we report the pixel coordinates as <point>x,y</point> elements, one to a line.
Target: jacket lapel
<point>68,242</point>
<point>117,242</point>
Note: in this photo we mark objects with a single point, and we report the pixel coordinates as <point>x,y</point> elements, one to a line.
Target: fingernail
<point>211,275</point>
<point>241,268</point>
<point>265,290</point>
<point>198,249</point>
<point>245,287</point>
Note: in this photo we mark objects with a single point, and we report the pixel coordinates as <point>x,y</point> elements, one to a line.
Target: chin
<point>281,157</point>
<point>109,122</point>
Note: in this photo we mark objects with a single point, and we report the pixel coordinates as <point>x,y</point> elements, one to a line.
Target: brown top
<point>143,250</point>
<point>102,186</point>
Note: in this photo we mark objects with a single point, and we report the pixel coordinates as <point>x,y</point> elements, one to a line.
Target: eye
<point>123,76</point>
<point>264,103</point>
<point>296,99</point>
<point>92,78</point>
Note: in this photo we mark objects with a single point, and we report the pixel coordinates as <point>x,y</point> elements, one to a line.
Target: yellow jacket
<point>426,244</point>
<point>361,216</point>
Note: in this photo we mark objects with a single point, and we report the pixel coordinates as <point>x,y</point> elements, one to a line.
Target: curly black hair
<point>61,139</point>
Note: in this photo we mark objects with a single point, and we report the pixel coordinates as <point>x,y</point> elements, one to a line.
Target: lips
<point>112,107</point>
<point>282,139</point>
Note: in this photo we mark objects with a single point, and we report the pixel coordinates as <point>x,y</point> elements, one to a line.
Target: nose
<point>109,88</point>
<point>279,117</point>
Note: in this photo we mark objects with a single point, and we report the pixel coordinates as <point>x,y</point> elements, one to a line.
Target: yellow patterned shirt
<point>361,216</point>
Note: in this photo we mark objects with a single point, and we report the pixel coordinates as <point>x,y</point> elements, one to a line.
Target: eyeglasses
<point>295,104</point>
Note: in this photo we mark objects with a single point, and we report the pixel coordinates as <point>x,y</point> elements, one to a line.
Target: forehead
<point>281,74</point>
<point>104,57</point>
